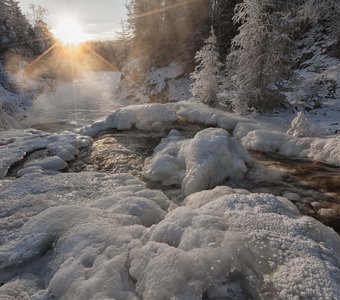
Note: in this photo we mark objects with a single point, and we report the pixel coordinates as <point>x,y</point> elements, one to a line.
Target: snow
<point>18,144</point>
<point>227,244</point>
<point>262,133</point>
<point>69,235</point>
<point>143,117</point>
<point>99,236</point>
<point>324,149</point>
<point>12,107</point>
<point>157,79</point>
<point>203,162</point>
<point>300,126</point>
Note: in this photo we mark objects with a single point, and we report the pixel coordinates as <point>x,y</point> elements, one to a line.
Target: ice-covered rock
<point>203,162</point>
<point>17,144</point>
<point>257,138</point>
<point>143,117</point>
<point>98,236</point>
<point>227,244</point>
<point>69,236</point>
<point>203,114</point>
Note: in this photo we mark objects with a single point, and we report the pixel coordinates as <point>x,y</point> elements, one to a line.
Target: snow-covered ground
<point>93,235</point>
<point>262,134</point>
<point>97,236</point>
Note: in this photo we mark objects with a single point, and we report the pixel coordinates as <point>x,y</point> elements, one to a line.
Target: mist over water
<point>73,104</point>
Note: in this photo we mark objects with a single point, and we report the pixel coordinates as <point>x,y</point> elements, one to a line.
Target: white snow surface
<point>264,134</point>
<point>157,79</point>
<point>12,107</point>
<point>69,236</point>
<point>15,145</point>
<point>197,164</point>
<point>143,117</point>
<point>97,236</point>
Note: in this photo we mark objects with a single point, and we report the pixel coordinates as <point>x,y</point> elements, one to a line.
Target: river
<point>313,187</point>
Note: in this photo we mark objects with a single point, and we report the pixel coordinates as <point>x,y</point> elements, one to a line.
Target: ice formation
<point>96,236</point>
<point>143,117</point>
<point>203,162</point>
<point>18,144</point>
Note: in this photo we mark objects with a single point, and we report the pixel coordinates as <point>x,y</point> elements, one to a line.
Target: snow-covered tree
<point>300,126</point>
<point>205,76</point>
<point>257,58</point>
<point>314,10</point>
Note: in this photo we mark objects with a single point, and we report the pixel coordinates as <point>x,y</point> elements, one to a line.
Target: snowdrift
<point>203,162</point>
<point>258,134</point>
<point>96,236</point>
<point>16,145</point>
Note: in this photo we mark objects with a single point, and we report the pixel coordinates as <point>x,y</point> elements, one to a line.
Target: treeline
<point>162,31</point>
<point>18,35</point>
<point>253,40</point>
<point>105,55</point>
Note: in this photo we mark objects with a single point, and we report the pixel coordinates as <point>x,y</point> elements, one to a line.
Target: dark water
<point>313,187</point>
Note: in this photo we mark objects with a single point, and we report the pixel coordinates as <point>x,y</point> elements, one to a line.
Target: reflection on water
<point>75,104</point>
<point>314,187</point>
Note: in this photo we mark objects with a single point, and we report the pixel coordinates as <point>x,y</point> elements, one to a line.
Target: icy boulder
<point>69,236</point>
<point>228,244</point>
<point>16,146</point>
<point>203,162</point>
<point>143,117</point>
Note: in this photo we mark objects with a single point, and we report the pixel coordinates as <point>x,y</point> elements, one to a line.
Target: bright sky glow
<point>69,31</point>
<point>97,19</point>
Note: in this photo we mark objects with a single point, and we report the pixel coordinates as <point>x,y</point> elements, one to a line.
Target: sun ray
<point>156,11</point>
<point>40,57</point>
<point>114,68</point>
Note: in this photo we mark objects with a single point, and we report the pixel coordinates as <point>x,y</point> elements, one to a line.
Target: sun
<point>69,31</point>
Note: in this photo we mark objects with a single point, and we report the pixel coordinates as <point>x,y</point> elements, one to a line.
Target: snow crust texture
<point>57,149</point>
<point>143,117</point>
<point>97,236</point>
<point>197,164</point>
<point>256,134</point>
<point>72,237</point>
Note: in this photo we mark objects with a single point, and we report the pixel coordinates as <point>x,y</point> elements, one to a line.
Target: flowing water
<point>313,187</point>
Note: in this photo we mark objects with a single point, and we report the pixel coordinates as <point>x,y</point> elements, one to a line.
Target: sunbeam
<point>156,11</point>
<point>115,69</point>
<point>41,56</point>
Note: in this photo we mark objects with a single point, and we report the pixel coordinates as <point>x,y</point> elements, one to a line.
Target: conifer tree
<point>205,76</point>
<point>257,57</point>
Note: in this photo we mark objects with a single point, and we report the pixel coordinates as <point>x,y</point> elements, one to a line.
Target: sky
<point>99,19</point>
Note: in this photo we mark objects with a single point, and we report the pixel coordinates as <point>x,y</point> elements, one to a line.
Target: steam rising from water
<point>77,102</point>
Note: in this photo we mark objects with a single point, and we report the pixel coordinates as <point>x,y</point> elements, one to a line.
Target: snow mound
<point>18,144</point>
<point>227,244</point>
<point>143,117</point>
<point>69,236</point>
<point>324,149</point>
<point>203,162</point>
<point>98,236</point>
<point>200,113</point>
